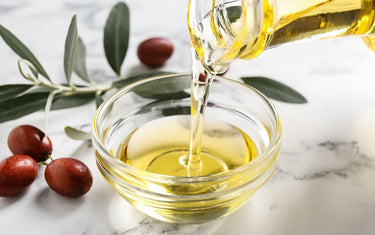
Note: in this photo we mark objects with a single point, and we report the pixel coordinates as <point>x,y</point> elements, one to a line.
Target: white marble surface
<point>325,181</point>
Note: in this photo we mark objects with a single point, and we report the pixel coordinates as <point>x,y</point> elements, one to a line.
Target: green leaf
<point>98,100</point>
<point>76,134</point>
<point>176,110</point>
<point>165,90</point>
<point>63,101</point>
<point>32,68</point>
<point>116,36</point>
<point>80,65</point>
<point>275,90</point>
<point>12,90</point>
<point>21,106</point>
<point>234,13</point>
<point>166,107</point>
<point>40,89</point>
<point>126,81</point>
<point>158,90</point>
<point>70,48</point>
<point>28,103</point>
<point>20,49</point>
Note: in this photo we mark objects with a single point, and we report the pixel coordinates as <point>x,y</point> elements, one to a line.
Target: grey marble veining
<point>324,183</point>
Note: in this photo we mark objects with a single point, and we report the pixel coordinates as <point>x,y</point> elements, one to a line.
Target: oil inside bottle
<point>222,31</point>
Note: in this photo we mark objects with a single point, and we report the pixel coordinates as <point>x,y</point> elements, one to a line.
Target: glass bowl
<point>182,199</point>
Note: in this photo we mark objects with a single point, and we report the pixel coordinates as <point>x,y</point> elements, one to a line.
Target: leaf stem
<point>28,77</point>
<point>92,88</point>
<point>71,89</point>
<point>48,109</point>
<point>50,157</point>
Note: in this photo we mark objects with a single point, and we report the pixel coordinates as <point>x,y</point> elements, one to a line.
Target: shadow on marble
<point>50,201</point>
<point>125,219</point>
<point>8,201</point>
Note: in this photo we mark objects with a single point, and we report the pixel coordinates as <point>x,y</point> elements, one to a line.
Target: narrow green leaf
<point>234,13</point>
<point>12,90</point>
<point>70,49</point>
<point>80,65</point>
<point>165,90</point>
<point>21,106</point>
<point>20,49</point>
<point>28,103</point>
<point>98,99</point>
<point>176,110</point>
<point>166,107</point>
<point>275,90</point>
<point>39,89</point>
<point>76,134</point>
<point>158,90</point>
<point>123,82</point>
<point>63,101</point>
<point>32,68</point>
<point>116,36</point>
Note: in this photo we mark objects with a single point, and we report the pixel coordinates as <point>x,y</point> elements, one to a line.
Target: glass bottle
<point>224,30</point>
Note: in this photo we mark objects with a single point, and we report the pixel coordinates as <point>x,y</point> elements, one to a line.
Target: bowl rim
<point>275,139</point>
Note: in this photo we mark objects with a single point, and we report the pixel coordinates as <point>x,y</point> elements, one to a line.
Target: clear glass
<point>224,30</point>
<point>210,196</point>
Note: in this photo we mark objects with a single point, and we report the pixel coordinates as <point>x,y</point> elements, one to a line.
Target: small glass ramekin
<point>157,97</point>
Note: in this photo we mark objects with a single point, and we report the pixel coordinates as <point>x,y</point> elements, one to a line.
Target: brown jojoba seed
<point>68,177</point>
<point>31,141</point>
<point>154,52</point>
<point>17,172</point>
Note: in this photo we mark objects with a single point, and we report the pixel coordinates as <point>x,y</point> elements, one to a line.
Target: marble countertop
<point>325,180</point>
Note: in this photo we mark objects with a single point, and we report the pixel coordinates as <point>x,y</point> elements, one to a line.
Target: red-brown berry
<point>154,52</point>
<point>17,172</point>
<point>31,141</point>
<point>202,77</point>
<point>68,177</point>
